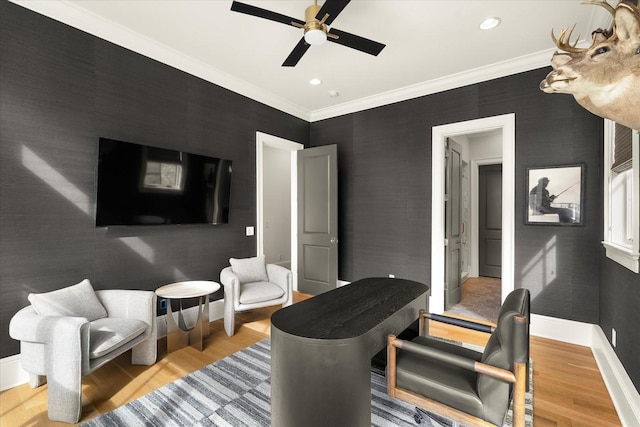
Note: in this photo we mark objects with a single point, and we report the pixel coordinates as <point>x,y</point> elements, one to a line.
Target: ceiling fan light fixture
<point>315,36</point>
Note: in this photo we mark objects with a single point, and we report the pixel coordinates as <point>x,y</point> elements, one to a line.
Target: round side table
<point>179,335</point>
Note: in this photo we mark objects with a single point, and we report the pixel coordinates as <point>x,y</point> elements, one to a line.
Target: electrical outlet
<point>163,304</point>
<point>391,276</point>
<point>614,337</point>
<point>249,231</point>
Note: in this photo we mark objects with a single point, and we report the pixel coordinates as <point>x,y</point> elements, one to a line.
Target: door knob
<point>334,240</point>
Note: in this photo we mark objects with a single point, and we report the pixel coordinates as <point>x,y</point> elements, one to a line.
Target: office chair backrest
<point>500,351</point>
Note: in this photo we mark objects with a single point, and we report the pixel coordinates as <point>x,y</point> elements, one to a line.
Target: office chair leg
<point>417,417</point>
<point>420,414</point>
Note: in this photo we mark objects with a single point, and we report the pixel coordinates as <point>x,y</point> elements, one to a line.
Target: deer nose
<point>545,86</point>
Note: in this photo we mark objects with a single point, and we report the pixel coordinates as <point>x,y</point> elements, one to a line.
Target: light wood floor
<point>568,388</point>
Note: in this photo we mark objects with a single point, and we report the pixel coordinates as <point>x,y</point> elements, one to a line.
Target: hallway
<point>481,299</point>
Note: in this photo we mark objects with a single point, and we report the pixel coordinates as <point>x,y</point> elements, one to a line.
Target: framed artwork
<point>555,195</point>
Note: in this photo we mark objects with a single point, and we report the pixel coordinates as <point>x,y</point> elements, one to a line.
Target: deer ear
<point>627,23</point>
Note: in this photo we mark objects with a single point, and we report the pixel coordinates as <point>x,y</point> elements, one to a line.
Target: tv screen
<point>144,185</point>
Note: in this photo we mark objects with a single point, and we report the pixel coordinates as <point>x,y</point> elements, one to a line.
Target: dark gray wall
<point>385,187</point>
<point>62,89</point>
<point>619,301</point>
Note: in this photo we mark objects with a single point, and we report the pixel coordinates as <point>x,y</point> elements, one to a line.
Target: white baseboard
<point>625,397</point>
<point>12,374</point>
<point>568,331</point>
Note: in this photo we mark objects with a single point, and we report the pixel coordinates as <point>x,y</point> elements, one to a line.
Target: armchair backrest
<point>501,350</point>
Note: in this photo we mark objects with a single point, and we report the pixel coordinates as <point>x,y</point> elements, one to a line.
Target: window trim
<point>627,257</point>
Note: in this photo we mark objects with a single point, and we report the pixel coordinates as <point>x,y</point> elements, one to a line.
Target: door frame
<point>506,123</point>
<point>265,140</point>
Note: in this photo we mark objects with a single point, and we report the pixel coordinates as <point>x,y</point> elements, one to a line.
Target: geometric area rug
<point>236,391</point>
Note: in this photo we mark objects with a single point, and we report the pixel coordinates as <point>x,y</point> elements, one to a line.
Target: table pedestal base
<point>321,350</point>
<point>179,335</point>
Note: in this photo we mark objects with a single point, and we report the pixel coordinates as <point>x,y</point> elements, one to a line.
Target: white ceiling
<point>430,45</point>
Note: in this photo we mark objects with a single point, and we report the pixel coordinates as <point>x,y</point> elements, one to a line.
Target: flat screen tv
<point>144,185</point>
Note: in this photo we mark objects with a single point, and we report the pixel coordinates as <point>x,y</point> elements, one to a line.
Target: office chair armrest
<point>444,357</point>
<point>467,324</point>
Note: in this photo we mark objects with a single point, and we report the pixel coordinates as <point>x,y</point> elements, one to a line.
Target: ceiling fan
<point>316,29</point>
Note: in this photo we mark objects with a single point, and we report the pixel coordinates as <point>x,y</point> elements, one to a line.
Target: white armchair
<point>71,332</point>
<point>249,284</point>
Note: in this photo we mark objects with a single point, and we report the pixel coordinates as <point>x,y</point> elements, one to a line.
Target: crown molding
<point>477,75</point>
<point>88,22</point>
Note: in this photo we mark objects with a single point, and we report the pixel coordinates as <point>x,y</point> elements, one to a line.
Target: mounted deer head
<point>604,78</point>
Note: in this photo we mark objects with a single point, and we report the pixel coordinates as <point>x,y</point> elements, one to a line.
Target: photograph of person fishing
<point>555,195</point>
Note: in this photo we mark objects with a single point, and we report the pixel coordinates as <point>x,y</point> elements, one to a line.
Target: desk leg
<point>316,383</point>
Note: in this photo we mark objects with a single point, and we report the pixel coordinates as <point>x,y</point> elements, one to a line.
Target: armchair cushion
<point>111,333</point>
<point>249,270</point>
<point>259,292</point>
<point>78,300</point>
<point>446,383</point>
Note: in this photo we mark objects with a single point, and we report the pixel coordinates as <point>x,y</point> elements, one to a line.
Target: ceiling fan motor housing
<point>315,32</point>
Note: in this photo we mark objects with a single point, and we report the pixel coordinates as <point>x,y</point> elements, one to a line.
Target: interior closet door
<point>453,222</point>
<point>490,220</point>
<point>317,219</point>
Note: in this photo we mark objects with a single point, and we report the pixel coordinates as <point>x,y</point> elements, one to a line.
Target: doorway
<point>505,125</point>
<point>276,211</point>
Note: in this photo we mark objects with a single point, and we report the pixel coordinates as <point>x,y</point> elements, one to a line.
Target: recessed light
<point>315,81</point>
<point>334,93</point>
<point>490,23</point>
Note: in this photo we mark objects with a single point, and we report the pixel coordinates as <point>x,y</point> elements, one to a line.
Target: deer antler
<point>604,4</point>
<point>564,41</point>
<point>566,44</point>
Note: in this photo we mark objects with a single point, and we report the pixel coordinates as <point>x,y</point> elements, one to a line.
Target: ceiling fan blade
<point>356,42</point>
<point>333,8</point>
<point>236,6</point>
<point>296,54</point>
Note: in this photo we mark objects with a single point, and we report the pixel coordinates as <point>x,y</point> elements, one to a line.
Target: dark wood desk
<point>321,350</point>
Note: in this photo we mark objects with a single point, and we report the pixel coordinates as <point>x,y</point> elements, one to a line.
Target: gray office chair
<point>463,385</point>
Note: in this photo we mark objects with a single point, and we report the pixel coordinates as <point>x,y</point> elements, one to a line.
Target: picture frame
<point>555,195</point>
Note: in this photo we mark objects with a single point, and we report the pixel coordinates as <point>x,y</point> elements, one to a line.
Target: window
<point>621,195</point>
<point>162,171</point>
